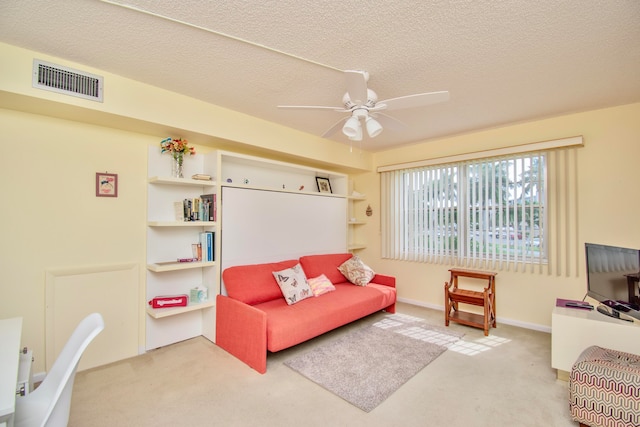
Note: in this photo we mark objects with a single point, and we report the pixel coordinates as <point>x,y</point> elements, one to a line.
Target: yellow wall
<point>54,144</point>
<point>51,218</point>
<point>607,206</point>
<point>132,105</point>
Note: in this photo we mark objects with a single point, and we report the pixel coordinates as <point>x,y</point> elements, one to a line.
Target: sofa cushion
<point>320,285</point>
<point>254,284</point>
<point>357,271</point>
<point>315,265</point>
<point>293,284</point>
<point>288,325</point>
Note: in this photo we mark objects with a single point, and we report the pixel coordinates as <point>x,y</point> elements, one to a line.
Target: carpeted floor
<point>505,379</point>
<point>367,365</point>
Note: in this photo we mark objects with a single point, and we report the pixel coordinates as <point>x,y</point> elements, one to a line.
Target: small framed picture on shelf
<point>324,185</point>
<point>106,184</point>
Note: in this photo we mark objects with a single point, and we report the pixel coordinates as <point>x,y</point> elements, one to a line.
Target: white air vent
<point>67,81</point>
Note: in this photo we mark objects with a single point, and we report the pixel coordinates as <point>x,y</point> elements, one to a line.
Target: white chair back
<point>49,404</point>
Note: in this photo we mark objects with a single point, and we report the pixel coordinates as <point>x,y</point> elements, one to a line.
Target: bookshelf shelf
<point>159,313</point>
<point>161,267</point>
<point>181,223</point>
<point>253,187</point>
<point>165,180</point>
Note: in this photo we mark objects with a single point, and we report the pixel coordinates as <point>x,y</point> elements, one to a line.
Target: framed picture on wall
<point>106,184</point>
<point>324,185</point>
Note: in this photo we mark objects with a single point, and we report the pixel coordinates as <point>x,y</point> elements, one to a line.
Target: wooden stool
<point>453,296</point>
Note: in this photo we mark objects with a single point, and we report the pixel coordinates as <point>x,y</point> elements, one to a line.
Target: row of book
<point>206,246</point>
<point>203,208</point>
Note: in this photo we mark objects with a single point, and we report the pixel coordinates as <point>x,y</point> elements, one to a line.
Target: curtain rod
<point>533,146</point>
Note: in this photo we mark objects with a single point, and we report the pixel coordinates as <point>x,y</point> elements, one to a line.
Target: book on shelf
<point>207,242</point>
<point>179,210</point>
<point>211,209</point>
<point>196,209</point>
<point>201,177</point>
<point>201,208</point>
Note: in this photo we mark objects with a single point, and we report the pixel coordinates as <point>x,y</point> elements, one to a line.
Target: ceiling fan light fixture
<point>352,127</point>
<point>373,127</point>
<point>358,136</point>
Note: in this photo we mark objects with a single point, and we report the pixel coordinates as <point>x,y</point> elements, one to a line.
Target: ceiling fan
<point>363,106</point>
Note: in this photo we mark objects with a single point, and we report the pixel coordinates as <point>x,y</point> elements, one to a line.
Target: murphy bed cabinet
<point>169,239</point>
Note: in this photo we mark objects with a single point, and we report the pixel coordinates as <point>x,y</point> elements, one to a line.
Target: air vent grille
<point>67,81</point>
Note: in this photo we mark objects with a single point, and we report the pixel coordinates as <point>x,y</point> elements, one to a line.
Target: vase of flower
<point>177,170</point>
<point>177,148</point>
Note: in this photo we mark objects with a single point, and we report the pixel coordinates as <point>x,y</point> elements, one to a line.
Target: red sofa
<point>254,317</point>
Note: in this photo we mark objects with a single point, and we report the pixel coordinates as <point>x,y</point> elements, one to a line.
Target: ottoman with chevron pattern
<point>604,388</point>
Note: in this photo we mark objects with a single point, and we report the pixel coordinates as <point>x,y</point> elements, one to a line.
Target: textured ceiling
<point>501,61</point>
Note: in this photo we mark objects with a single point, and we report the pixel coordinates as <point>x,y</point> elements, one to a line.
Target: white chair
<point>49,404</point>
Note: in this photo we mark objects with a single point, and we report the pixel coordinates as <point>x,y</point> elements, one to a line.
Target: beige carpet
<point>367,365</point>
<point>501,380</point>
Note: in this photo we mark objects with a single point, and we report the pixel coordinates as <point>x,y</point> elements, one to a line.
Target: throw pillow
<point>321,285</point>
<point>293,284</point>
<point>356,271</point>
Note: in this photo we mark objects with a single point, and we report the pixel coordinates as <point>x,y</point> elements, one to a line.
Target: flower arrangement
<point>177,147</point>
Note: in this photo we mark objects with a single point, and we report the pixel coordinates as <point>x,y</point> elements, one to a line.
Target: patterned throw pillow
<point>293,284</point>
<point>321,285</point>
<point>356,271</point>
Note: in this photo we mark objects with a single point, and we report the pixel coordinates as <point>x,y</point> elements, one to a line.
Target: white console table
<point>573,330</point>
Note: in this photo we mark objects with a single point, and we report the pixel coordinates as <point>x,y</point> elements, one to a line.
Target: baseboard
<point>511,322</point>
<point>562,375</point>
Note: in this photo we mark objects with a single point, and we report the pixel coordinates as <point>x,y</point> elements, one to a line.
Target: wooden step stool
<point>453,296</point>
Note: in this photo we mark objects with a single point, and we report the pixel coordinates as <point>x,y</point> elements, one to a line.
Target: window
<point>485,213</point>
<point>489,209</point>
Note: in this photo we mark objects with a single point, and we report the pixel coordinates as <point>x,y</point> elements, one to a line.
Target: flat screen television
<point>613,279</point>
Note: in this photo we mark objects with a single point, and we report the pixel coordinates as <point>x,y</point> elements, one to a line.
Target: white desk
<point>574,329</point>
<point>10,335</point>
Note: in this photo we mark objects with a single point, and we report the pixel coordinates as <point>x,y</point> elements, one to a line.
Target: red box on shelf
<point>166,301</point>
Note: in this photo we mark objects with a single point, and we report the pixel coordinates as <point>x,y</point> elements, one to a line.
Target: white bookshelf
<point>169,240</point>
<point>239,170</point>
<point>355,218</point>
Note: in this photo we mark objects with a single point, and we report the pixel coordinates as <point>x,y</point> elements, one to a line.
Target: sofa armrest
<point>383,279</point>
<point>242,331</point>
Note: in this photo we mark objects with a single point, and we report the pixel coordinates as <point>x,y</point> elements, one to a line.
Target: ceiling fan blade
<point>314,107</point>
<point>357,86</point>
<point>389,122</point>
<point>335,127</point>
<point>412,101</point>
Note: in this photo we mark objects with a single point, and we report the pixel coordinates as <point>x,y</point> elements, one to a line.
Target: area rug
<point>366,366</point>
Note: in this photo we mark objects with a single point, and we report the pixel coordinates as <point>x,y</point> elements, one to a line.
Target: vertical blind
<point>509,212</point>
